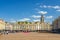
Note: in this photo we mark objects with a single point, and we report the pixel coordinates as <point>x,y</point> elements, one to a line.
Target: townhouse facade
<point>26,26</point>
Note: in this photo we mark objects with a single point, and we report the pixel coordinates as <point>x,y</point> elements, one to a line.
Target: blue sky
<point>21,10</point>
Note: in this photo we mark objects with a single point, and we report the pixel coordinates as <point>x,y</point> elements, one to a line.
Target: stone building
<point>34,26</point>
<point>26,26</point>
<point>2,24</point>
<point>44,25</point>
<point>56,24</point>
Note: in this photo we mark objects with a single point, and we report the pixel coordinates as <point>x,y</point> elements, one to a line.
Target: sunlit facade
<point>33,26</point>
<point>2,24</point>
<point>26,26</point>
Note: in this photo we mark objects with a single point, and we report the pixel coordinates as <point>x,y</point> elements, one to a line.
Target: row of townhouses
<point>30,26</point>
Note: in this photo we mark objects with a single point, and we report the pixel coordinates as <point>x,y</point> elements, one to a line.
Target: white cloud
<point>36,9</point>
<point>36,20</point>
<point>49,17</point>
<point>44,6</point>
<point>42,12</point>
<point>24,19</point>
<point>12,20</point>
<point>36,16</point>
<point>58,10</point>
<point>54,7</point>
<point>49,6</point>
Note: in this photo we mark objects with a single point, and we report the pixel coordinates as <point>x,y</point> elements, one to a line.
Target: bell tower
<point>42,18</point>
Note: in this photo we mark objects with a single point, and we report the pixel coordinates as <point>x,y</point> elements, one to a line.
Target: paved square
<point>30,36</point>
